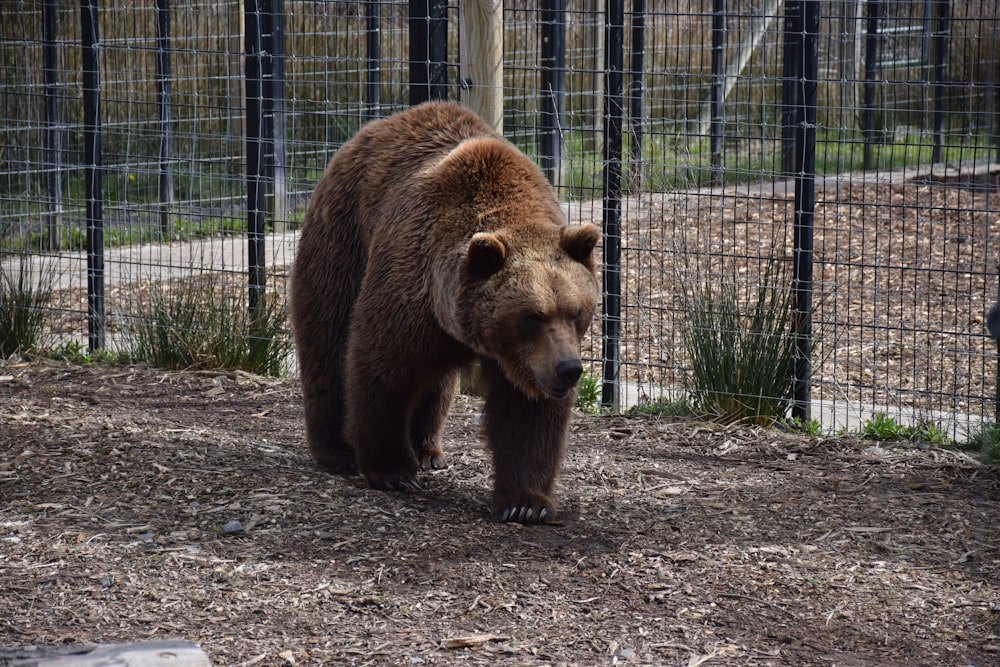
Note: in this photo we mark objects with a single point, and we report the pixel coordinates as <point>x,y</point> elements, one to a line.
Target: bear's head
<point>527,283</point>
<point>535,297</point>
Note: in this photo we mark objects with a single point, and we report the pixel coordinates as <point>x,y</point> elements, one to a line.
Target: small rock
<point>233,526</point>
<point>625,654</point>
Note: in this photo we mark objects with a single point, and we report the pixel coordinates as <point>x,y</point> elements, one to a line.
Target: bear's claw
<point>409,484</point>
<point>525,514</point>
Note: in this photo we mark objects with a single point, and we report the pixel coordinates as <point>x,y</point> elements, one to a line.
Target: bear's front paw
<point>432,459</point>
<point>525,514</point>
<point>405,484</point>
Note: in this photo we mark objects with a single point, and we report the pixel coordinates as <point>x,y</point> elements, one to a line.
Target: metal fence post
<point>256,186</point>
<point>805,186</point>
<point>718,85</point>
<point>614,59</point>
<point>165,106</point>
<point>868,94</point>
<point>940,76</point>
<point>373,59</point>
<point>273,41</point>
<point>428,50</point>
<point>93,174</point>
<point>636,91</point>
<point>553,88</point>
<point>53,134</point>
<point>790,63</point>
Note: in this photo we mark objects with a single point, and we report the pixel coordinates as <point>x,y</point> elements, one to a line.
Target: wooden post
<point>481,56</point>
<point>481,80</point>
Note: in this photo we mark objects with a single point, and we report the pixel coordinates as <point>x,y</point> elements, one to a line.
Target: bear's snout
<point>563,378</point>
<point>568,372</point>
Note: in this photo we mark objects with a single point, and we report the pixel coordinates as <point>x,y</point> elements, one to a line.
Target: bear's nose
<point>569,371</point>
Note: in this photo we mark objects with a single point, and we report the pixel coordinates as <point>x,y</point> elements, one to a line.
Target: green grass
<point>74,239</point>
<point>206,324</point>
<point>676,409</point>
<point>668,166</point>
<point>741,344</point>
<point>588,394</point>
<point>75,352</point>
<point>985,443</point>
<point>797,425</point>
<point>22,309</point>
<point>884,428</point>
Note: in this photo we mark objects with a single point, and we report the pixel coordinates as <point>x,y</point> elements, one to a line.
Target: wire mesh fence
<point>673,124</point>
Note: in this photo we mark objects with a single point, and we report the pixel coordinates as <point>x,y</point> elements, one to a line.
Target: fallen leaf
<point>472,640</point>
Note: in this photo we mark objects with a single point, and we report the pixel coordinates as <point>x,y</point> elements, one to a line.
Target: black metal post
<point>636,90</point>
<point>373,59</point>
<point>93,173</point>
<point>553,75</point>
<point>790,63</point>
<point>92,169</point>
<point>275,159</point>
<point>428,50</point>
<point>165,106</point>
<point>53,134</point>
<point>614,45</point>
<point>940,72</point>
<point>868,91</point>
<point>992,117</point>
<point>717,126</point>
<point>256,150</point>
<point>805,193</point>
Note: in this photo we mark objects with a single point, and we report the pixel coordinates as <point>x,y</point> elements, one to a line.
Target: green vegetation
<point>985,443</point>
<point>588,394</point>
<point>22,309</point>
<point>205,323</point>
<point>663,407</point>
<point>796,425</point>
<point>668,166</point>
<point>73,351</point>
<point>883,427</point>
<point>75,238</point>
<point>742,347</point>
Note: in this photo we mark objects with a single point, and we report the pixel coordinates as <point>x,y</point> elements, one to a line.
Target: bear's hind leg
<point>325,283</point>
<point>527,438</point>
<point>377,428</point>
<point>321,370</point>
<point>427,423</point>
<point>323,433</point>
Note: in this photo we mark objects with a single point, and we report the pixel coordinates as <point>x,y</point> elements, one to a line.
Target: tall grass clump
<point>741,344</point>
<point>22,307</point>
<point>205,323</point>
<point>984,442</point>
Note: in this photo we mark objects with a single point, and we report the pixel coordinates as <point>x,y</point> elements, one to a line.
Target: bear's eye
<point>579,315</point>
<point>533,320</point>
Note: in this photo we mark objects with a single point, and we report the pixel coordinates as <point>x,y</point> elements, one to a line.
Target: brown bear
<point>431,241</point>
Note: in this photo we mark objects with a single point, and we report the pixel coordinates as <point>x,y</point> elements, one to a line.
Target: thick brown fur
<point>430,241</point>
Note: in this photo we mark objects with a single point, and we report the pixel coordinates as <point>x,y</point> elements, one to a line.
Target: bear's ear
<point>486,255</point>
<point>579,242</point>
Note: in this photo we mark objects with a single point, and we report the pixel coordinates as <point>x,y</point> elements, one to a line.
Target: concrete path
<point>128,264</point>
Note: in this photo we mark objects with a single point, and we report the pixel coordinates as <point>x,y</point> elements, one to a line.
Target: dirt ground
<point>138,504</point>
